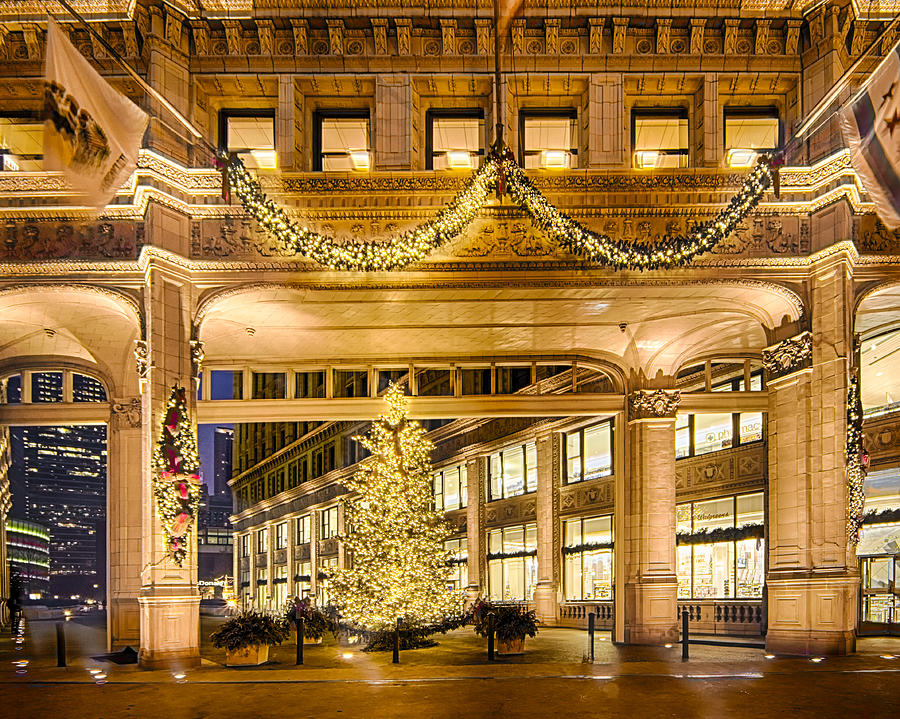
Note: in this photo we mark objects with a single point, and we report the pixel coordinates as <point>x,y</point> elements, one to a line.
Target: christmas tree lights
<point>175,476</point>
<point>502,173</point>
<point>395,537</point>
<point>855,461</point>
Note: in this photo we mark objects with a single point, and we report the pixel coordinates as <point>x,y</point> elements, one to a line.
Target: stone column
<point>648,509</point>
<point>290,557</point>
<point>393,125</point>
<point>252,565</point>
<point>546,595</point>
<point>474,526</point>
<point>169,600</point>
<point>270,565</point>
<point>123,522</point>
<point>812,580</point>
<point>314,554</point>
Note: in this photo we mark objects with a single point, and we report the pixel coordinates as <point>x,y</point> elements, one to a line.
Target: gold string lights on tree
<point>856,461</point>
<point>400,567</point>
<point>175,476</point>
<point>499,170</point>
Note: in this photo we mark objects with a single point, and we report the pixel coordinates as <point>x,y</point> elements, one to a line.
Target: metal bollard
<point>591,618</point>
<point>490,623</point>
<point>396,659</point>
<point>684,634</point>
<point>60,644</point>
<point>299,622</point>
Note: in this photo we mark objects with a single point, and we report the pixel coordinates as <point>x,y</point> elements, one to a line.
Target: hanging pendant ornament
<point>176,482</point>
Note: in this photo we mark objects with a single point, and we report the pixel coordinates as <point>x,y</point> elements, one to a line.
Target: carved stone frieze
<point>335,36</point>
<point>173,28</point>
<point>44,240</point>
<point>265,30</point>
<point>731,34</point>
<point>663,34</point>
<point>881,438</point>
<point>595,35</point>
<point>872,237</point>
<point>518,238</point>
<point>448,36</point>
<point>33,35</point>
<point>762,36</point>
<point>404,31</point>
<point>126,413</point>
<point>737,469</point>
<point>328,546</point>
<point>697,27</point>
<point>551,36</point>
<point>233,37</point>
<point>760,236</point>
<point>620,28</point>
<point>483,36</point>
<point>279,556</point>
<point>518,36</point>
<point>302,552</point>
<point>379,34</point>
<point>509,511</point>
<point>792,37</point>
<point>788,356</point>
<point>597,494</point>
<point>659,403</point>
<point>129,40</point>
<point>300,30</point>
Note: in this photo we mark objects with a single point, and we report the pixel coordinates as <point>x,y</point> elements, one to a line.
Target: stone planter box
<point>513,646</point>
<point>248,656</point>
<point>292,639</point>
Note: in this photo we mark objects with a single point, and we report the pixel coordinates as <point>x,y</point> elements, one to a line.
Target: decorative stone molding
<point>265,31</point>
<point>335,36</point>
<point>697,27</point>
<point>731,32</point>
<point>96,46</point>
<point>647,404</point>
<point>518,36</point>
<point>142,359</point>
<point>32,34</point>
<point>197,356</point>
<point>788,356</point>
<point>483,36</point>
<point>882,439</point>
<point>404,31</point>
<point>129,38</point>
<point>792,37</point>
<point>173,29</point>
<point>551,36</point>
<point>233,37</point>
<point>126,413</point>
<point>595,34</point>
<point>200,33</point>
<point>379,34</point>
<point>762,36</point>
<point>737,469</point>
<point>510,511</point>
<point>586,496</point>
<point>663,34</point>
<point>620,27</point>
<point>300,29</point>
<point>448,36</point>
<point>4,51</point>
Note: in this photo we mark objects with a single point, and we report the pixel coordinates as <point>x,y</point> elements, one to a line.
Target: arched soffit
<point>663,320</point>
<point>16,365</point>
<point>79,325</point>
<point>878,310</point>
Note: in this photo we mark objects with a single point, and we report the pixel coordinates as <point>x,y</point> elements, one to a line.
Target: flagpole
<point>842,82</point>
<point>134,75</point>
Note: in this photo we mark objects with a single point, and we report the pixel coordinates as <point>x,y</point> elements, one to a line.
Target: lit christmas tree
<point>176,481</point>
<point>393,533</point>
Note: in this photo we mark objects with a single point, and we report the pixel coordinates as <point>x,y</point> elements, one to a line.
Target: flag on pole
<point>92,133</point>
<point>507,9</point>
<point>871,127</point>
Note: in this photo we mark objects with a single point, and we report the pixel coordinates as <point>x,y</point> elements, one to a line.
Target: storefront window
<point>588,563</point>
<point>262,587</point>
<point>589,452</point>
<point>880,535</point>
<point>512,563</point>
<point>721,551</point>
<point>302,579</point>
<point>697,434</point>
<point>279,586</point>
<point>450,491</point>
<point>459,570</point>
<point>323,584</point>
<point>513,471</point>
<point>682,436</point>
<point>712,432</point>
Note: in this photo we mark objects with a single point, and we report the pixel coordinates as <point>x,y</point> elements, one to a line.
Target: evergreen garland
<point>512,555</point>
<point>175,476</point>
<point>885,516</point>
<point>721,534</point>
<point>586,547</point>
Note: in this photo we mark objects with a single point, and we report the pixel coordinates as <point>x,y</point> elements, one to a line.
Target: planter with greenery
<point>315,622</point>
<point>511,625</point>
<point>247,636</point>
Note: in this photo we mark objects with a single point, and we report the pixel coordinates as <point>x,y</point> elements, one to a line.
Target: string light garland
<point>394,535</point>
<point>856,461</point>
<point>176,483</point>
<point>502,173</point>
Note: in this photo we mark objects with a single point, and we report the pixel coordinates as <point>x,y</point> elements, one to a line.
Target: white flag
<point>871,126</point>
<point>91,132</point>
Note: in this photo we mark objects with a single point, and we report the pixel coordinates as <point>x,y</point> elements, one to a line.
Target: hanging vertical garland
<point>175,476</point>
<point>856,460</point>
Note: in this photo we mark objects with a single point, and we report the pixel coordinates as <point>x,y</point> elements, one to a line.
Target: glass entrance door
<point>880,596</point>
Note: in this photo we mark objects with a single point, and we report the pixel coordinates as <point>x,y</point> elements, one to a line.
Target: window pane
<point>433,382</point>
<point>345,143</point>
<point>531,537</point>
<point>513,539</point>
<point>531,467</point>
<point>46,387</point>
<point>438,492</point>
<point>684,571</point>
<point>751,132</point>
<point>513,472</point>
<point>714,514</point>
<point>597,454</point>
<point>511,379</point>
<point>21,145</point>
<point>597,530</point>
<point>751,426</point>
<point>713,570</point>
<point>268,385</point>
<point>531,568</point>
<point>573,581</point>
<point>750,563</point>
<point>495,541</point>
<point>712,432</point>
<point>463,485</point>
<point>226,384</point>
<point>573,456</point>
<point>309,384</point>
<point>253,138</point>
<point>598,574</point>
<point>496,476</point>
<point>476,381</point>
<point>660,142</point>
<point>495,579</point>
<point>456,141</point>
<point>750,509</point>
<point>451,488</point>
<point>351,383</point>
<point>572,536</point>
<point>87,389</point>
<point>683,518</point>
<point>550,141</point>
<point>13,389</point>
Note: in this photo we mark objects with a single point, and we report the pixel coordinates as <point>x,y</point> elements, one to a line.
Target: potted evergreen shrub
<point>511,625</point>
<point>315,623</point>
<point>247,636</point>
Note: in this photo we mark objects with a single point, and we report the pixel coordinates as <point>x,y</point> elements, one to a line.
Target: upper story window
<point>251,134</point>
<point>749,131</point>
<point>659,138</point>
<point>245,545</point>
<point>548,138</point>
<point>328,523</point>
<point>697,434</point>
<point>341,140</point>
<point>454,139</point>
<point>450,488</point>
<point>589,452</point>
<point>281,535</point>
<point>512,471</point>
<point>303,530</point>
<point>262,541</point>
<point>21,143</point>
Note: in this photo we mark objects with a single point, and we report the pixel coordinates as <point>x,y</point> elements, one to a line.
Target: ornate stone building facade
<point>174,284</point>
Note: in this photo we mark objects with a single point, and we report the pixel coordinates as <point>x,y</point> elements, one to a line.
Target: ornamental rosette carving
<point>644,404</point>
<point>789,355</point>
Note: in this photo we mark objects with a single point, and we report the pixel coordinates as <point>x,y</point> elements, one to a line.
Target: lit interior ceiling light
<point>265,159</point>
<point>740,158</point>
<point>360,159</point>
<point>459,159</point>
<point>646,159</point>
<point>554,159</point>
